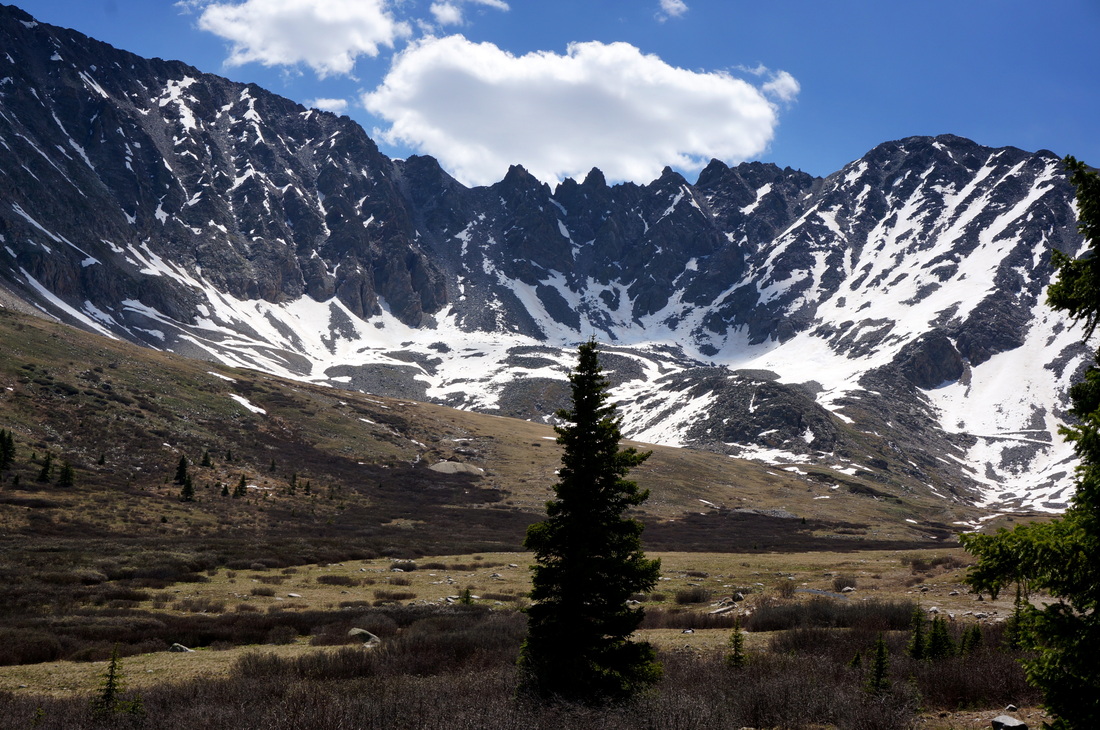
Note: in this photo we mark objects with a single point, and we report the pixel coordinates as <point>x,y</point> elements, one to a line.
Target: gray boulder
<point>365,636</point>
<point>1007,722</point>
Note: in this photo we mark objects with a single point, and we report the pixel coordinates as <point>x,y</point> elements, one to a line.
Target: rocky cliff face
<point>259,197</point>
<point>888,318</point>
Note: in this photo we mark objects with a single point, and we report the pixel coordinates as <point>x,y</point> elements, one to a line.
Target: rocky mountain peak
<point>875,316</point>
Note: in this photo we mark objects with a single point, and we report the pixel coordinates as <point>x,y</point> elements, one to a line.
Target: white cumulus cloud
<point>450,12</point>
<point>336,106</point>
<point>478,109</point>
<point>672,9</point>
<point>326,35</point>
<point>447,13</point>
<point>782,86</point>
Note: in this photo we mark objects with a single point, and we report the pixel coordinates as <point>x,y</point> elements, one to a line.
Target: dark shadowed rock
<point>930,361</point>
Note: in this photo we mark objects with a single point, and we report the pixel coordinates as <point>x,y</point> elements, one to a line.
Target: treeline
<point>46,471</point>
<point>185,478</point>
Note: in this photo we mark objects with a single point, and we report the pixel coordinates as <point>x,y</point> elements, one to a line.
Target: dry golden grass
<point>881,574</point>
<point>65,679</point>
<point>884,575</point>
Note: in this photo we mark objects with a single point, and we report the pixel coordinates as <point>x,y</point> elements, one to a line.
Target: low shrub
<point>199,605</point>
<point>281,635</point>
<point>662,618</point>
<point>354,604</point>
<point>926,564</point>
<point>694,594</point>
<point>271,580</point>
<point>843,581</point>
<point>332,635</point>
<point>337,580</point>
<point>822,612</point>
<point>383,594</point>
<point>28,646</point>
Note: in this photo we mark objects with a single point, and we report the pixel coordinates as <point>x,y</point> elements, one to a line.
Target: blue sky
<point>630,86</point>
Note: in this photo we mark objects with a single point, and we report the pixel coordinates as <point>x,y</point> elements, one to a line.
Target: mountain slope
<point>370,472</point>
<point>887,319</point>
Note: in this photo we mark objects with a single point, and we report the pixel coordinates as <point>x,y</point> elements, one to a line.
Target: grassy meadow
<point>449,621</point>
<point>316,511</point>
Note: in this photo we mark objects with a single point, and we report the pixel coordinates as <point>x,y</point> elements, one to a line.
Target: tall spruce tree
<point>1062,556</point>
<point>66,477</point>
<point>45,473</point>
<point>181,471</point>
<point>918,641</point>
<point>589,559</point>
<point>7,449</point>
<point>187,493</point>
<point>878,675</point>
<point>940,644</point>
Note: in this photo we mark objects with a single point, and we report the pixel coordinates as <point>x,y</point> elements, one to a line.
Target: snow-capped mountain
<point>888,318</point>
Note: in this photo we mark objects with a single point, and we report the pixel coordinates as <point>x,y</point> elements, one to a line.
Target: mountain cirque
<point>887,320</point>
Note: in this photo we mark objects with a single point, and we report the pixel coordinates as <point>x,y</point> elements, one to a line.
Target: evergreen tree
<point>102,459</point>
<point>181,471</point>
<point>47,466</point>
<point>7,449</point>
<point>1061,556</point>
<point>878,680</point>
<point>589,559</point>
<point>109,702</point>
<point>940,643</point>
<point>206,462</point>
<point>110,694</point>
<point>66,477</point>
<point>225,489</point>
<point>971,640</point>
<point>241,489</point>
<point>272,467</point>
<point>736,658</point>
<point>187,494</point>
<point>918,642</point>
<point>1014,627</point>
